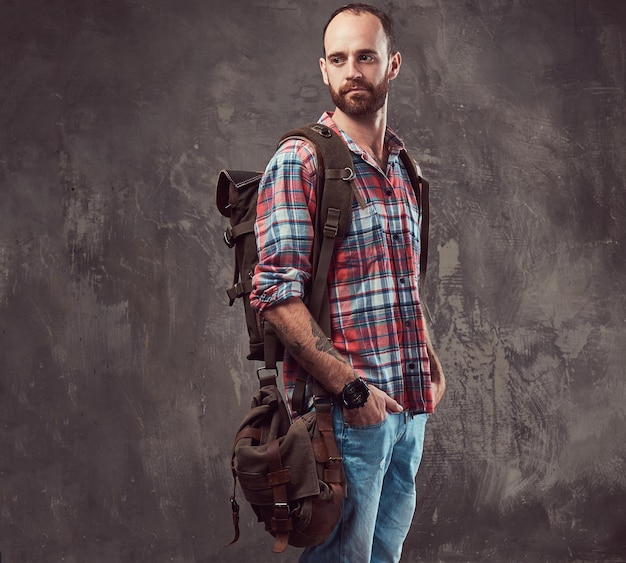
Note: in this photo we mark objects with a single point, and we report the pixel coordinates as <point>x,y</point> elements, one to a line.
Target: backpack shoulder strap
<point>335,191</point>
<point>420,187</point>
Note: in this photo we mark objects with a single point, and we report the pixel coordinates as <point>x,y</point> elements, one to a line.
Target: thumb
<point>392,405</point>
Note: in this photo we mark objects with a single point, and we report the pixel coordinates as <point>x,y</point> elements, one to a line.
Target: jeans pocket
<point>363,427</point>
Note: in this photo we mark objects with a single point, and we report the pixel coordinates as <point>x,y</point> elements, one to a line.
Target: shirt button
<point>412,366</point>
<point>396,237</point>
<point>407,324</point>
<point>402,281</point>
<point>388,192</point>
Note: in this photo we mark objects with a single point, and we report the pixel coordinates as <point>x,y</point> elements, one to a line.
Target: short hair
<point>358,8</point>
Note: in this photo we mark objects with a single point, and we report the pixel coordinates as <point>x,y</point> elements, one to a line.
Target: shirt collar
<point>394,143</point>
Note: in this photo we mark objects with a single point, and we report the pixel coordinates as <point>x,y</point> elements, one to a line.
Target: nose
<point>354,69</point>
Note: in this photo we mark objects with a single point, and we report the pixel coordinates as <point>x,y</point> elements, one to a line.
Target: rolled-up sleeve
<point>284,226</point>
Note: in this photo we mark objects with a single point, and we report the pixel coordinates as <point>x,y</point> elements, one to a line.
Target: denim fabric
<point>381,464</point>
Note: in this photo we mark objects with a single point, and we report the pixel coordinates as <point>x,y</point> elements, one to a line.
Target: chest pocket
<point>364,244</point>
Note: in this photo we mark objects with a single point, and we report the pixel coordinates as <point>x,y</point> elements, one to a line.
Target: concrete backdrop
<point>123,371</point>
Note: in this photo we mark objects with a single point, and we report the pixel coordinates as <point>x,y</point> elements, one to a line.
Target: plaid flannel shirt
<point>376,316</point>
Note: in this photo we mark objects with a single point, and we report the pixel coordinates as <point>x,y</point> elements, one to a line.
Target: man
<point>379,362</point>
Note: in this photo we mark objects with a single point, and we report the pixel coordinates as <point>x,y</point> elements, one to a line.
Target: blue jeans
<point>381,463</point>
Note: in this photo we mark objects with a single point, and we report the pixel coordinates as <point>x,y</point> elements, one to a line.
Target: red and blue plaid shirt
<point>376,316</point>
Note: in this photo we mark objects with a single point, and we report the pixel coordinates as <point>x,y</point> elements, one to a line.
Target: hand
<point>438,380</point>
<point>437,377</point>
<point>374,411</point>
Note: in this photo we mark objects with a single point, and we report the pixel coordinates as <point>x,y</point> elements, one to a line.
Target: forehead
<point>353,32</point>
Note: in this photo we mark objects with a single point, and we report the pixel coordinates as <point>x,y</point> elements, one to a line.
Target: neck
<point>367,131</point>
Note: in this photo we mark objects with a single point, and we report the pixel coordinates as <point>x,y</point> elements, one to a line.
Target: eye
<point>335,60</point>
<point>366,58</point>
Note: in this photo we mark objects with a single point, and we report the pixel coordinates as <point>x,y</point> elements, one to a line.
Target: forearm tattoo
<point>323,343</point>
<point>297,349</point>
<point>282,331</point>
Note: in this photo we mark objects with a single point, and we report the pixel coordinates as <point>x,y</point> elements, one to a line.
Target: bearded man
<point>379,363</point>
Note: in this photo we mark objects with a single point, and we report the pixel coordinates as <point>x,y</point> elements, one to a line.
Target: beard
<point>359,104</point>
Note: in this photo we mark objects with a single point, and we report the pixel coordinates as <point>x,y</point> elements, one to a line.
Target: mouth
<point>355,87</point>
<point>356,90</point>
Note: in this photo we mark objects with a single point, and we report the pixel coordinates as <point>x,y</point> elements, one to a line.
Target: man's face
<point>357,67</point>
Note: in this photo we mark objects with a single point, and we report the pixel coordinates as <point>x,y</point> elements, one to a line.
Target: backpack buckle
<point>331,227</point>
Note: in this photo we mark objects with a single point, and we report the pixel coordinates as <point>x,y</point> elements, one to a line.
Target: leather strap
<point>333,473</point>
<point>278,478</point>
<point>239,289</point>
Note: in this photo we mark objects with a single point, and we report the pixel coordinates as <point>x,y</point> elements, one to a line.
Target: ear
<point>394,65</point>
<point>323,69</point>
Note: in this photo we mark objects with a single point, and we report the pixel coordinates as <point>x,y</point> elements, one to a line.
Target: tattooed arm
<point>306,341</point>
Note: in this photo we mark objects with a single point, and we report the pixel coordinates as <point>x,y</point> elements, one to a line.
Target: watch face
<point>358,396</point>
<point>355,394</point>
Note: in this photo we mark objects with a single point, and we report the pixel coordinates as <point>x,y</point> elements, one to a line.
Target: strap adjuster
<point>331,228</point>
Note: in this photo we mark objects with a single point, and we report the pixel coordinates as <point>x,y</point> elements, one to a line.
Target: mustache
<point>356,84</point>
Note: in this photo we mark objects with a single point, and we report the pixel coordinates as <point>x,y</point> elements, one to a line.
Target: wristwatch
<point>354,394</point>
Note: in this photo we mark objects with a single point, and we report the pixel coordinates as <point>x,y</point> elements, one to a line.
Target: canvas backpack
<point>291,473</point>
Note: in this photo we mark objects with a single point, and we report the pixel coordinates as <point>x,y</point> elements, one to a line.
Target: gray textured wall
<point>123,373</point>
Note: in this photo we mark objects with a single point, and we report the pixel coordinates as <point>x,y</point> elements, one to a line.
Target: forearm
<point>308,344</point>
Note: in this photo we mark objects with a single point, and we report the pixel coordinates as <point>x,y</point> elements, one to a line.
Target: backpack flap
<point>235,197</point>
<point>229,183</point>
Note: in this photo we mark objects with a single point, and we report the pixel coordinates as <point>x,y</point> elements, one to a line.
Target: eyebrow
<point>359,52</point>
